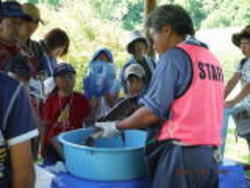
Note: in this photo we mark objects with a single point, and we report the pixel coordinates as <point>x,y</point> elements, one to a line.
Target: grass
<point>236,149</point>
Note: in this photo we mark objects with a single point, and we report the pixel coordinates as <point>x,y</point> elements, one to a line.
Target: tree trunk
<point>149,7</point>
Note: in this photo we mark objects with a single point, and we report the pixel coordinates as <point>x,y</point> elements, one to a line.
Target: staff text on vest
<point>211,72</point>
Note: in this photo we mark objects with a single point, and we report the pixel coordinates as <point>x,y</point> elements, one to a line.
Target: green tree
<point>208,14</point>
<point>33,1</point>
<point>87,32</point>
<point>134,16</point>
<point>129,12</point>
<point>227,13</point>
<point>197,12</point>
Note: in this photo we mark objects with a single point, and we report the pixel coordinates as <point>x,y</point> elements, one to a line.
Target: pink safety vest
<point>196,116</point>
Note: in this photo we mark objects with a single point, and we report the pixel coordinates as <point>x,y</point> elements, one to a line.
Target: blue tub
<point>110,159</point>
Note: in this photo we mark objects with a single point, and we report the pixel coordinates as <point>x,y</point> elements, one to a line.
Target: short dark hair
<point>173,15</point>
<point>131,46</point>
<point>57,38</point>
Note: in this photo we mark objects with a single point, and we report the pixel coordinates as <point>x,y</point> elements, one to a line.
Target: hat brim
<point>132,74</point>
<point>17,15</point>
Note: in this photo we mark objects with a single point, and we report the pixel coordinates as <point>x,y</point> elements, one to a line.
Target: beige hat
<point>134,69</point>
<point>33,11</point>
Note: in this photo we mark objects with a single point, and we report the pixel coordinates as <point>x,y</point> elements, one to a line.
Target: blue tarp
<point>231,176</point>
<point>64,180</point>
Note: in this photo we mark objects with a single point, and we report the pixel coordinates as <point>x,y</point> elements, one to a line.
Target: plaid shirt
<point>38,56</point>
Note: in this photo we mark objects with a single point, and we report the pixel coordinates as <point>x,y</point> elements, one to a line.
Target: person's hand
<point>109,129</point>
<point>230,104</point>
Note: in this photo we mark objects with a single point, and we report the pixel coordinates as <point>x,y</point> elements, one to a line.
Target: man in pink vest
<point>183,105</point>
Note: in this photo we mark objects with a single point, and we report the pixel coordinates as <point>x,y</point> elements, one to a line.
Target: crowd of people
<point>179,100</point>
<point>38,101</point>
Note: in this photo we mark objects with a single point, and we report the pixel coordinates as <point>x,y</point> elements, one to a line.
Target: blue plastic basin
<point>110,159</point>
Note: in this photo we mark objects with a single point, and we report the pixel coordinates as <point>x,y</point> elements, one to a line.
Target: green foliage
<point>87,32</point>
<point>33,1</point>
<point>208,14</point>
<point>217,19</point>
<point>236,149</point>
<point>109,9</point>
<point>228,13</point>
<point>195,8</point>
<point>129,12</point>
<point>134,16</point>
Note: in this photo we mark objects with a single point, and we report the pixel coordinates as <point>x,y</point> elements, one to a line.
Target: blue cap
<point>63,68</point>
<point>14,9</point>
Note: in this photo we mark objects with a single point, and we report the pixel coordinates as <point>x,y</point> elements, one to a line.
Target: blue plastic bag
<point>101,79</point>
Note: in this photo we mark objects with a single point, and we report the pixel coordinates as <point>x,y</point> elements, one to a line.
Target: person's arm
<point>83,106</point>
<point>23,174</point>
<point>94,108</point>
<point>171,78</point>
<point>243,93</point>
<point>231,84</point>
<point>19,129</point>
<point>142,118</point>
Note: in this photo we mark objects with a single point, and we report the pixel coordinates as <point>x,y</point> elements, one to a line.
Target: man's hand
<point>109,129</point>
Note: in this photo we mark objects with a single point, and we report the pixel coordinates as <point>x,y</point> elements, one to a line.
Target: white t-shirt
<point>244,70</point>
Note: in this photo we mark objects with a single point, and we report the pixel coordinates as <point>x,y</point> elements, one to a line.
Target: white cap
<point>134,69</point>
<point>133,36</point>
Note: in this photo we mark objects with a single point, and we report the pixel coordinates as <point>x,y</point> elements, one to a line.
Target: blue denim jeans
<point>227,113</point>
